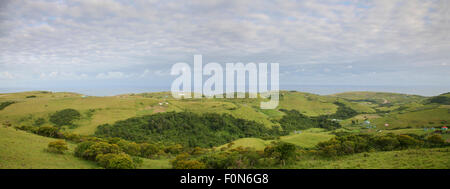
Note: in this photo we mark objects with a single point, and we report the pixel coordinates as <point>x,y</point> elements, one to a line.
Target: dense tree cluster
<point>343,112</point>
<point>277,153</point>
<point>107,155</point>
<point>186,128</point>
<point>3,105</point>
<point>440,100</point>
<point>65,117</point>
<point>294,120</point>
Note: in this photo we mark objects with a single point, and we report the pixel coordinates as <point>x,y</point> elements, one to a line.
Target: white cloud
<point>112,75</point>
<point>116,39</point>
<point>6,75</point>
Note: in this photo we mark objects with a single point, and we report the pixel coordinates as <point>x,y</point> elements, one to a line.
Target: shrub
<point>182,161</point>
<point>435,140</point>
<point>40,121</point>
<point>408,141</point>
<point>282,151</point>
<point>89,150</point>
<point>65,117</point>
<point>49,131</point>
<point>387,143</point>
<point>59,146</point>
<point>115,161</point>
<point>100,148</point>
<point>149,150</point>
<point>82,147</point>
<point>27,128</point>
<point>73,137</point>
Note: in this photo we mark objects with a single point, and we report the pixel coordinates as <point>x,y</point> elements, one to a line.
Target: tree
<point>282,151</point>
<point>97,148</point>
<point>65,117</point>
<point>115,161</point>
<point>48,131</point>
<point>59,146</point>
<point>436,140</point>
<point>182,161</point>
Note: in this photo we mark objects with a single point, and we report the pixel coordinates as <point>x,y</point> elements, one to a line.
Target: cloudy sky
<point>118,43</point>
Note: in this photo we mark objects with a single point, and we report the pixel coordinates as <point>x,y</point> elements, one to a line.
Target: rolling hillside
<point>404,114</point>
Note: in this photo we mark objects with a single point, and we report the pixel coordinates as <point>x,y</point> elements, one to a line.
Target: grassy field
<point>406,159</point>
<point>21,150</point>
<point>307,139</point>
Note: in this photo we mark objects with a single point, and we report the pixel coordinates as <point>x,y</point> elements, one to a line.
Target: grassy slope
<point>111,109</point>
<point>380,97</point>
<point>406,159</point>
<point>307,139</point>
<point>21,150</point>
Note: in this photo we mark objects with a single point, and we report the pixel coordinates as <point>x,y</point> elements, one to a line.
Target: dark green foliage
<point>440,100</point>
<point>294,120</point>
<point>345,144</point>
<point>239,158</point>
<point>149,150</point>
<point>82,147</point>
<point>185,128</point>
<point>282,152</point>
<point>40,121</point>
<point>65,117</point>
<point>31,96</point>
<point>343,112</point>
<point>48,131</point>
<point>3,105</point>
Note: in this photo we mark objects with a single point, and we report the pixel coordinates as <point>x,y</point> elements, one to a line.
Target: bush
<point>408,141</point>
<point>149,150</point>
<point>73,137</point>
<point>40,121</point>
<point>82,147</point>
<point>65,117</point>
<point>182,161</point>
<point>49,131</point>
<point>90,151</point>
<point>436,140</point>
<point>59,146</point>
<point>115,161</point>
<point>387,143</point>
<point>282,151</point>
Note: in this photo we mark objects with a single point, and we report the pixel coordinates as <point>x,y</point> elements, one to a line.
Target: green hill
<point>22,150</point>
<point>405,114</point>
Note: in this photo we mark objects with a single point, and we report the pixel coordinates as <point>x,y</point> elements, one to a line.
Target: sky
<point>112,44</point>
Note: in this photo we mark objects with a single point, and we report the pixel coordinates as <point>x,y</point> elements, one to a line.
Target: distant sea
<point>316,89</point>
